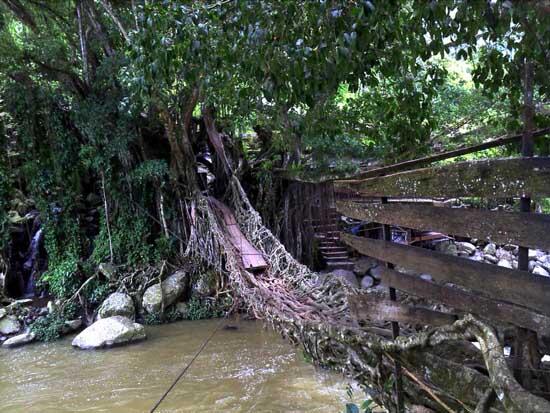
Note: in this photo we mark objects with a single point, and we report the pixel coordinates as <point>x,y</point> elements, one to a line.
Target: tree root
<point>316,315</point>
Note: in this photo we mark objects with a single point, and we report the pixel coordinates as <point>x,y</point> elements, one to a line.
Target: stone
<point>367,282</point>
<point>535,254</point>
<point>19,340</point>
<point>347,277</point>
<point>502,254</point>
<point>9,325</point>
<point>490,259</point>
<point>476,257</point>
<point>71,325</point>
<point>538,270</point>
<point>108,332</point>
<point>19,303</point>
<point>183,309</point>
<point>51,306</point>
<point>108,270</point>
<point>490,249</point>
<point>426,277</point>
<point>205,284</point>
<point>117,304</point>
<point>511,247</point>
<point>447,247</point>
<point>376,272</point>
<point>466,247</point>
<point>3,313</point>
<point>364,264</point>
<point>168,292</point>
<point>504,263</point>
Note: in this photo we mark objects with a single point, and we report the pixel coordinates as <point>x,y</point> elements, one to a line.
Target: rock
<point>19,303</point>
<point>117,304</point>
<point>72,325</point>
<point>364,264</point>
<point>490,249</point>
<point>19,340</point>
<point>426,277</point>
<point>108,270</point>
<point>511,247</point>
<point>504,263</point>
<point>535,254</point>
<point>172,288</point>
<point>376,272</point>
<point>3,313</point>
<point>490,259</point>
<point>466,247</point>
<point>108,332</point>
<point>447,247</point>
<point>502,254</point>
<point>538,270</point>
<point>183,309</point>
<point>51,306</point>
<point>476,257</point>
<point>9,325</point>
<point>367,282</point>
<point>347,277</point>
<point>205,285</point>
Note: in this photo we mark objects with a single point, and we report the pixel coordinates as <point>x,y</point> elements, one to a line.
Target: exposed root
<point>290,297</point>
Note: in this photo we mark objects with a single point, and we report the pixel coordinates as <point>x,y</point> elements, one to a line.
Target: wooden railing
<point>494,293</point>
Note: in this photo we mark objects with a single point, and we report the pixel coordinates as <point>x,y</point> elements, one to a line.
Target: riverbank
<point>244,370</point>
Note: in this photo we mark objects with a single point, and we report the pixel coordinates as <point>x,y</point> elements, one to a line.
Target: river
<point>250,369</point>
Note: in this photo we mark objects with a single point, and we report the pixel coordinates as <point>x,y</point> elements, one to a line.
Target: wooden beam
<point>378,309</point>
<point>498,283</point>
<point>529,230</point>
<point>492,178</point>
<point>415,163</point>
<point>467,302</point>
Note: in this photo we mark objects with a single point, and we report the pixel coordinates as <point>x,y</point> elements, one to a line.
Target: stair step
<point>340,264</point>
<point>331,247</point>
<point>338,258</point>
<point>340,251</point>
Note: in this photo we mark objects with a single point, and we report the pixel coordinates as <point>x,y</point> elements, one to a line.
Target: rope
<point>182,373</point>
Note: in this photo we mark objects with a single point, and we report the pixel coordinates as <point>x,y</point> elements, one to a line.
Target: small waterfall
<point>30,266</point>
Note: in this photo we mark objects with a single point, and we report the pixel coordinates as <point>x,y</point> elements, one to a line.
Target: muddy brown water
<point>250,369</point>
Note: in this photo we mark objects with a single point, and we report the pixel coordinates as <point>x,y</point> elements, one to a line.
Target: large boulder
<point>490,249</point>
<point>166,292</point>
<point>538,270</point>
<point>19,340</point>
<point>447,247</point>
<point>9,325</point>
<point>108,332</point>
<point>466,248</point>
<point>364,264</point>
<point>117,304</point>
<point>347,277</point>
<point>367,282</point>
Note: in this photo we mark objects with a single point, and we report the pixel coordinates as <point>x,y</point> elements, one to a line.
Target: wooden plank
<point>491,178</point>
<point>498,283</point>
<point>529,230</point>
<point>467,302</point>
<point>415,163</point>
<point>379,309</point>
<point>251,257</point>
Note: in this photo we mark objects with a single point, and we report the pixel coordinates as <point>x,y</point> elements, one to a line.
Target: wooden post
<point>395,329</point>
<point>525,337</point>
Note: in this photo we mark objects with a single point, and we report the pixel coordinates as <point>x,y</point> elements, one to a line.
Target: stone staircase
<point>334,253</point>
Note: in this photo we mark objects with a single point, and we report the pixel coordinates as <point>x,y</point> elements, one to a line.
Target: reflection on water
<point>245,370</point>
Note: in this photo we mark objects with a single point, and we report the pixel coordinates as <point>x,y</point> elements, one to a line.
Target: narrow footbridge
<point>453,329</point>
